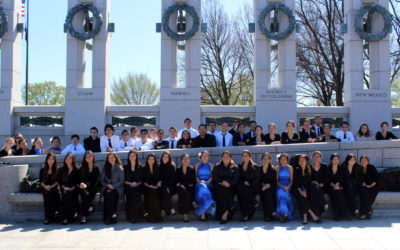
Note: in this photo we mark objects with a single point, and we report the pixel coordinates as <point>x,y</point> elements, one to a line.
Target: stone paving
<point>378,233</point>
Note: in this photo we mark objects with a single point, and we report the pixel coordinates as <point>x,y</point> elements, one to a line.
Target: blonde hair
<point>6,140</point>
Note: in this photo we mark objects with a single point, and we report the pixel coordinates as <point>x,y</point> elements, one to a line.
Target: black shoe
<point>318,221</point>
<point>267,219</point>
<point>83,221</point>
<point>46,222</point>
<point>107,222</point>
<point>132,220</point>
<point>65,222</point>
<point>244,219</point>
<point>222,222</point>
<point>304,222</point>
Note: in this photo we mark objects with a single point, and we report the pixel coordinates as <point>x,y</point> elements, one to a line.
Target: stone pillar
<point>275,104</point>
<point>86,107</point>
<point>373,105</point>
<point>176,104</point>
<point>10,92</point>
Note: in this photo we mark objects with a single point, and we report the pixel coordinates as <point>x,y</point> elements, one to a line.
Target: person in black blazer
<point>92,142</point>
<point>239,139</point>
<point>369,187</point>
<point>352,189</point>
<point>235,127</point>
<point>252,133</point>
<point>290,136</point>
<point>204,140</point>
<point>49,185</point>
<point>268,181</point>
<point>306,134</point>
<point>185,179</point>
<point>185,141</point>
<point>258,139</point>
<point>272,137</point>
<point>317,187</point>
<point>160,143</point>
<point>385,134</point>
<point>167,181</point>
<point>89,174</point>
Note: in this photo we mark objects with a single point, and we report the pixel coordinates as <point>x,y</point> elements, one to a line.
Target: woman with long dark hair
<point>112,181</point>
<point>364,134</point>
<point>68,179</point>
<point>369,187</point>
<point>49,184</point>
<point>185,141</point>
<point>337,179</point>
<point>167,180</point>
<point>225,177</point>
<point>185,179</point>
<point>268,187</point>
<point>151,189</point>
<point>352,188</point>
<point>247,187</point>
<point>89,173</point>
<point>284,172</point>
<point>133,183</point>
<point>36,147</point>
<point>316,189</point>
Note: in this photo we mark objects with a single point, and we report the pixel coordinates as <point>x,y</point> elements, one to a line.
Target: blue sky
<point>135,46</point>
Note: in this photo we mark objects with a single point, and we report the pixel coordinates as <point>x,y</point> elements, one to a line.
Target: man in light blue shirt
<point>75,147</point>
<point>224,139</point>
<point>345,135</point>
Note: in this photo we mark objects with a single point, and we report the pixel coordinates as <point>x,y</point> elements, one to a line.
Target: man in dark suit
<point>203,140</point>
<point>317,128</point>
<point>92,143</point>
<point>235,127</point>
<point>160,142</point>
<point>306,134</point>
<point>252,133</point>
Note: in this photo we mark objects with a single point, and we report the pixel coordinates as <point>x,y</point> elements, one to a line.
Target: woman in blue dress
<point>204,187</point>
<point>284,210</point>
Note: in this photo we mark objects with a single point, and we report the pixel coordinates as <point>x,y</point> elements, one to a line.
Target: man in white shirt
<point>125,144</point>
<point>212,126</point>
<point>172,139</point>
<point>109,142</point>
<point>145,143</point>
<point>224,139</point>
<point>75,147</point>
<point>345,135</point>
<point>134,135</point>
<point>188,127</point>
<point>153,134</point>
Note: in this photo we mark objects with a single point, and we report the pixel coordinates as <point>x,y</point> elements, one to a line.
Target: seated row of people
<point>208,189</point>
<point>191,138</point>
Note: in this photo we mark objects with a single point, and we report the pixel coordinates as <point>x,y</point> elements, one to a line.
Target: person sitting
<point>345,135</point>
<point>272,137</point>
<point>239,139</point>
<point>307,135</point>
<point>23,148</point>
<point>326,136</point>
<point>109,142</point>
<point>18,137</point>
<point>36,147</point>
<point>160,142</point>
<point>125,143</point>
<point>55,145</point>
<point>188,126</point>
<point>7,148</point>
<point>186,140</point>
<point>290,136</point>
<point>385,134</point>
<point>92,143</point>
<point>172,139</point>
<point>259,139</point>
<point>145,143</point>
<point>364,134</point>
<point>252,133</point>
<point>318,128</point>
<point>212,126</point>
<point>75,147</point>
<point>235,127</point>
<point>204,139</point>
<point>134,135</point>
<point>153,134</point>
<point>224,139</point>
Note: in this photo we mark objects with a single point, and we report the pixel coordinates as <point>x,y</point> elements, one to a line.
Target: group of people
<point>188,137</point>
<point>208,189</point>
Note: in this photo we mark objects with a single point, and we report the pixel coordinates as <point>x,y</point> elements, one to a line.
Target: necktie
<point>125,144</point>
<point>319,131</point>
<point>172,143</point>
<point>308,133</point>
<point>223,140</point>
<point>75,149</point>
<point>344,136</point>
<point>109,143</point>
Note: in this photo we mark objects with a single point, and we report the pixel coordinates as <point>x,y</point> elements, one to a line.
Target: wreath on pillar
<point>92,28</point>
<point>3,22</point>
<point>363,28</point>
<point>175,35</point>
<point>273,35</point>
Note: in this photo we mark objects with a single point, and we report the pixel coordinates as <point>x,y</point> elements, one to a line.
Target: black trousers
<point>351,193</point>
<point>268,202</point>
<point>165,196</point>
<point>317,199</point>
<point>303,203</point>
<point>152,204</point>
<point>338,203</point>
<point>367,198</point>
<point>246,199</point>
<point>87,197</point>
<point>224,199</point>
<point>69,204</point>
<point>111,198</point>
<point>134,203</point>
<point>51,203</point>
<point>185,199</point>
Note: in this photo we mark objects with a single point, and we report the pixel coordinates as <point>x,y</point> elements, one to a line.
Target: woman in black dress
<point>68,178</point>
<point>259,138</point>
<point>89,173</point>
<point>272,137</point>
<point>225,177</point>
<point>36,147</point>
<point>301,182</point>
<point>337,180</point>
<point>316,189</point>
<point>369,187</point>
<point>185,179</point>
<point>167,180</point>
<point>268,187</point>
<point>385,134</point>
<point>134,203</point>
<point>7,148</point>
<point>290,136</point>
<point>49,184</point>
<point>327,137</point>
<point>112,180</point>
<point>248,186</point>
<point>186,140</point>
<point>151,188</point>
<point>352,189</point>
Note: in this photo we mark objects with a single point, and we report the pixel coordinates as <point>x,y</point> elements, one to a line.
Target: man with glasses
<point>235,126</point>
<point>345,135</point>
<point>125,143</point>
<point>188,126</point>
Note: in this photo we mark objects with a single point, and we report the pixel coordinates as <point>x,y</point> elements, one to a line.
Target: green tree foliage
<point>44,93</point>
<point>134,89</point>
